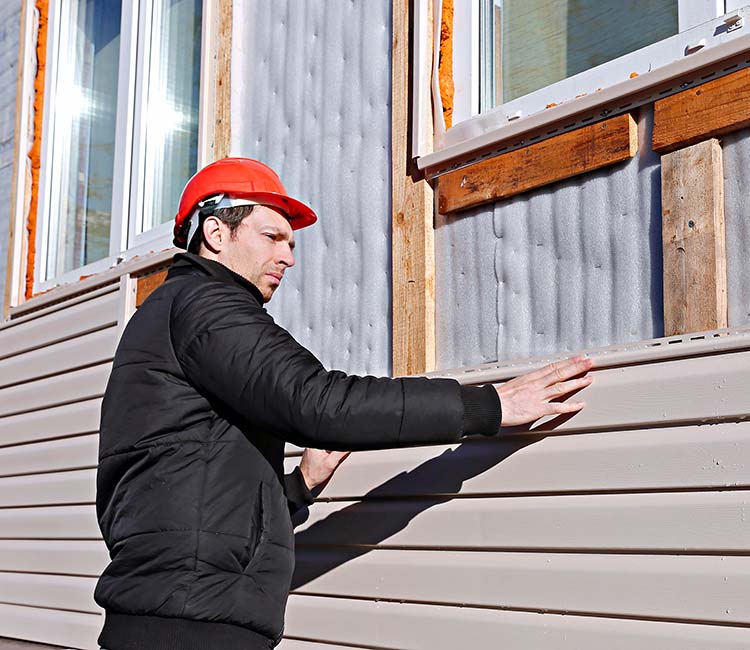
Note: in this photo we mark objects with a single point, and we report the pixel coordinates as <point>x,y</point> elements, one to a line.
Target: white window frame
<point>127,199</point>
<point>703,40</point>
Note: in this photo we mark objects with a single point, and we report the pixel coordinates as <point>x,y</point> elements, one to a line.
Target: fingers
<point>558,371</point>
<point>561,371</point>
<point>559,408</point>
<point>566,387</point>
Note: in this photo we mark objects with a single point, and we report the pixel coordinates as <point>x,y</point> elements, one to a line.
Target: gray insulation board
<point>10,26</point>
<point>311,97</point>
<point>572,265</point>
<point>736,149</point>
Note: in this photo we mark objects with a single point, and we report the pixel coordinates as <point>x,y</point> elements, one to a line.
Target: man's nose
<point>287,256</point>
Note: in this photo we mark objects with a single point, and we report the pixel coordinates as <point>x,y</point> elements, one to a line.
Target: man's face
<point>261,249</point>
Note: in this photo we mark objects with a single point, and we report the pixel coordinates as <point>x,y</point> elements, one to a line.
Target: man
<point>205,390</point>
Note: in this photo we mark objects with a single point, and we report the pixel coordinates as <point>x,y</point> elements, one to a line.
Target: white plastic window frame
<point>702,41</point>
<point>127,203</point>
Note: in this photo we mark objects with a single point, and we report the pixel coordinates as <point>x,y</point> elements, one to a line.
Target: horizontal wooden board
<point>78,385</point>
<point>69,629</point>
<point>553,159</point>
<point>50,456</point>
<point>73,593</point>
<point>692,521</point>
<point>74,557</point>
<point>88,316</point>
<point>58,421</point>
<point>430,627</point>
<point>700,588</point>
<point>97,347</point>
<point>54,522</point>
<point>702,112</point>
<point>48,489</point>
<point>648,459</point>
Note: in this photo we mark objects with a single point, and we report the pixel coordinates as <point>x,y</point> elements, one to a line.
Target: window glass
<point>85,110</point>
<point>534,43</point>
<point>171,142</point>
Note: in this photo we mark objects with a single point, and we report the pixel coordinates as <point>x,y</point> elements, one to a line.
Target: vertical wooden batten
<point>694,241</point>
<point>216,82</point>
<point>413,254</point>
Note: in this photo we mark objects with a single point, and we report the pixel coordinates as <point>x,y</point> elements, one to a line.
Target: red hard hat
<point>240,178</point>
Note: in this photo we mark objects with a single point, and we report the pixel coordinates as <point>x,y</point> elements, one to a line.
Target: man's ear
<point>213,234</point>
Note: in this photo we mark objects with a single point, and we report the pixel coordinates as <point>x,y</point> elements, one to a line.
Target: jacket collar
<point>188,263</point>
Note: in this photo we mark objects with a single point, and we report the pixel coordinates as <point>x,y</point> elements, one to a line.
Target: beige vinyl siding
<point>626,526</point>
<point>54,365</point>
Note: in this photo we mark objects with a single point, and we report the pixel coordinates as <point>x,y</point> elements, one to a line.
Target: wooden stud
<point>554,159</point>
<point>223,81</point>
<point>412,225</point>
<point>706,111</point>
<point>147,283</point>
<point>695,272</point>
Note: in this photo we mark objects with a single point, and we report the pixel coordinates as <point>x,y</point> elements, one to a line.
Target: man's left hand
<point>317,465</point>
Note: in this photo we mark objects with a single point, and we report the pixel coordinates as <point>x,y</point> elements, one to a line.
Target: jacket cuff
<point>297,493</point>
<point>482,410</point>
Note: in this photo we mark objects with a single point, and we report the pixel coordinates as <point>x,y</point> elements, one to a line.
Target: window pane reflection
<point>539,42</point>
<point>172,106</point>
<point>85,109</point>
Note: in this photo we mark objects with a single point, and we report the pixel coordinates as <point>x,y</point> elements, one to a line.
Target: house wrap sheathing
<point>626,526</point>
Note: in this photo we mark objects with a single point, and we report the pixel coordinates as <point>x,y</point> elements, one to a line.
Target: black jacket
<point>205,388</point>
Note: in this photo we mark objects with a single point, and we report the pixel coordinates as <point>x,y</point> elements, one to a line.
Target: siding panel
<point>97,347</point>
<point>55,422</point>
<point>76,630</point>
<point>426,627</point>
<point>86,558</point>
<point>57,488</point>
<point>74,386</point>
<point>712,588</point>
<point>64,522</point>
<point>648,459</point>
<point>53,455</point>
<point>686,522</point>
<point>69,593</point>
<point>60,325</point>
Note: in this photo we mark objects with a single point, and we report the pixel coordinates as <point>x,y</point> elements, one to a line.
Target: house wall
<point>311,97</point>
<point>624,526</point>
<point>10,22</point>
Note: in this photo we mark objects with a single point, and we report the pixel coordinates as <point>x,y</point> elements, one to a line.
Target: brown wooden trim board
<point>706,111</point>
<point>554,159</point>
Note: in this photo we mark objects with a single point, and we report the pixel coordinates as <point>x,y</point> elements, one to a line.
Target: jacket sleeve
<point>233,352</point>
<point>298,495</point>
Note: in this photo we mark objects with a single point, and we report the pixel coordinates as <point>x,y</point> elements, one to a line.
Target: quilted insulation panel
<point>572,265</point>
<point>311,97</point>
<point>736,149</point>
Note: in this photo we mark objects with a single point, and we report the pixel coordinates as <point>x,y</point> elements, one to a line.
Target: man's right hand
<point>529,397</point>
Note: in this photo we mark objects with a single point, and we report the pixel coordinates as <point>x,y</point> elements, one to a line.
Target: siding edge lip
<point>529,610</point>
<point>666,348</point>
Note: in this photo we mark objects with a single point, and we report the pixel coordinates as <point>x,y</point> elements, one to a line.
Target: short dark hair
<point>232,217</point>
